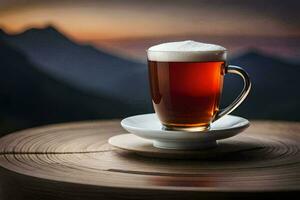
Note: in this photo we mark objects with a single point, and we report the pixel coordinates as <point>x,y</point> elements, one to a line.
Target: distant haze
<point>287,47</point>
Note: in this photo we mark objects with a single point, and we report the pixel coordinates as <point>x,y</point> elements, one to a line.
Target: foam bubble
<point>186,51</point>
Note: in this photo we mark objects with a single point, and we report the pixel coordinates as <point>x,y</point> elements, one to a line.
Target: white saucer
<point>144,147</point>
<point>149,127</point>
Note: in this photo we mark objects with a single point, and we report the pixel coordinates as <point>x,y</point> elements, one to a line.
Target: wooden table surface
<point>74,161</point>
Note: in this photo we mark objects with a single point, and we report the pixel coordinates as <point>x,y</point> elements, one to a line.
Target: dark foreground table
<point>74,161</point>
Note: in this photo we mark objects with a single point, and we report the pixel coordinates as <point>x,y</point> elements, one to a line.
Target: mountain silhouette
<point>47,78</point>
<point>82,66</point>
<point>30,97</point>
<point>275,87</point>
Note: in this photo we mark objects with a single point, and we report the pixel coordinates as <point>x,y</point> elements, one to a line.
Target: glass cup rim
<point>147,50</point>
<point>223,53</point>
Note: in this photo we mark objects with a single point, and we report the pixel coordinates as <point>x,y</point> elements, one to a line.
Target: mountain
<point>83,66</point>
<point>275,87</point>
<point>31,97</point>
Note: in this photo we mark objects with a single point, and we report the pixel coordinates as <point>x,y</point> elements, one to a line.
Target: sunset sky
<point>131,26</point>
<point>91,20</point>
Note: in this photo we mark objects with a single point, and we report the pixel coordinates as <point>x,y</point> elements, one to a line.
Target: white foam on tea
<point>186,51</point>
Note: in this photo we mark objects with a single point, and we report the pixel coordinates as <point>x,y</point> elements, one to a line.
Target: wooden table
<point>74,161</point>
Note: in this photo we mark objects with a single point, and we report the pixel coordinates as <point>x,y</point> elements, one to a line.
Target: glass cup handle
<point>230,69</point>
